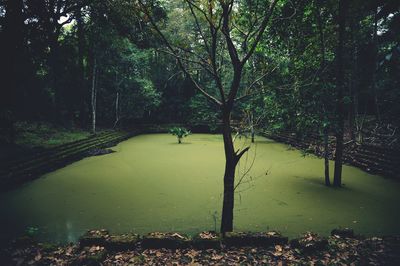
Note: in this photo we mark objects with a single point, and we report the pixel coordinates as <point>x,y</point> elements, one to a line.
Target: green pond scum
<point>152,183</point>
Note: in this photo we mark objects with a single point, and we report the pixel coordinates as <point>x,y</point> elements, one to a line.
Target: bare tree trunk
<point>374,87</point>
<point>337,179</point>
<point>229,176</point>
<point>354,78</point>
<point>352,92</point>
<point>81,67</point>
<point>325,114</point>
<point>231,157</point>
<point>94,98</point>
<point>326,157</point>
<point>54,73</point>
<point>116,110</point>
<point>358,118</point>
<point>252,132</point>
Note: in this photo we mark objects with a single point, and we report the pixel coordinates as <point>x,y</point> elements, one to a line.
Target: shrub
<point>179,132</point>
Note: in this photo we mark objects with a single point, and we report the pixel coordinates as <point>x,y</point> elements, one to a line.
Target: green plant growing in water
<point>180,133</point>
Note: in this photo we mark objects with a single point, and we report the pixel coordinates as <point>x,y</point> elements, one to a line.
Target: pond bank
<point>13,172</point>
<point>30,166</point>
<point>149,184</point>
<point>333,250</point>
<point>24,164</point>
<point>373,159</point>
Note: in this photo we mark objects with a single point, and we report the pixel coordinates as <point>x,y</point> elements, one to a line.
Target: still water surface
<point>151,183</point>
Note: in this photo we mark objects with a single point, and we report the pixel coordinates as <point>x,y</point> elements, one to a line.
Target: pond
<point>151,183</point>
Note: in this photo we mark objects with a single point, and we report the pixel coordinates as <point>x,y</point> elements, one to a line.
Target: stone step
<point>67,152</point>
<point>376,164</point>
<point>60,159</point>
<point>389,156</point>
<point>50,155</point>
<point>374,169</point>
<point>370,158</point>
<point>37,171</point>
<point>9,163</point>
<point>264,239</point>
<point>380,149</point>
<point>171,240</point>
<point>374,160</point>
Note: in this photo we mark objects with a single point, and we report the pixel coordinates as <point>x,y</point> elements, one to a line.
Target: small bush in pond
<point>179,132</point>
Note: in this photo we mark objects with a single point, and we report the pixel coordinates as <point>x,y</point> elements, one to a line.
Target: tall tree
<point>12,65</point>
<point>51,17</point>
<point>340,84</point>
<point>81,64</point>
<point>94,94</point>
<point>325,125</point>
<point>217,36</point>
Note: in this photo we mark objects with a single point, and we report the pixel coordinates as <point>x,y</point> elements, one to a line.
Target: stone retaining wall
<point>33,165</point>
<point>204,240</point>
<point>157,240</point>
<point>371,158</point>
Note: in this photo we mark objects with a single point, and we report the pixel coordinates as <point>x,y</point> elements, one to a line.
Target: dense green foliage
<point>50,49</point>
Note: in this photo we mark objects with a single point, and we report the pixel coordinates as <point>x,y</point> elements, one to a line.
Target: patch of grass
<point>45,135</point>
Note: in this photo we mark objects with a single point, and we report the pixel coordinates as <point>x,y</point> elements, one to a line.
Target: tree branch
<point>226,11</point>
<point>260,31</point>
<point>240,154</point>
<point>169,46</point>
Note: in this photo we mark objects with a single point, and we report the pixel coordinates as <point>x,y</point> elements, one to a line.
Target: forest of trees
<point>330,68</point>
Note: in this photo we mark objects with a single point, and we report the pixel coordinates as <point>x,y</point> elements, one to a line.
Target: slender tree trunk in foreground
<point>229,176</point>
<point>337,179</point>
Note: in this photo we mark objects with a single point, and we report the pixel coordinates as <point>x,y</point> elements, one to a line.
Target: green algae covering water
<point>151,183</point>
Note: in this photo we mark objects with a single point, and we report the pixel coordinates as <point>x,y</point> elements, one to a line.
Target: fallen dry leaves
<point>339,251</point>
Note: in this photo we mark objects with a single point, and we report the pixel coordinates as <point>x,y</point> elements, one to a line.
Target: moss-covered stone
<point>165,240</point>
<point>96,257</point>
<point>343,232</point>
<point>48,247</point>
<point>98,152</point>
<point>264,239</point>
<point>94,238</point>
<point>91,256</point>
<point>122,242</point>
<point>310,242</point>
<point>207,240</point>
